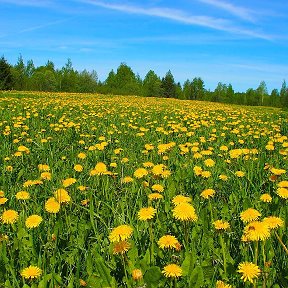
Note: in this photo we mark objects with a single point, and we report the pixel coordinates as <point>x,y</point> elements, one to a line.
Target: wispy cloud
<point>33,28</point>
<point>238,11</point>
<point>182,17</point>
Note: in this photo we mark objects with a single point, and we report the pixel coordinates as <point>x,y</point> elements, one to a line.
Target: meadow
<point>114,191</point>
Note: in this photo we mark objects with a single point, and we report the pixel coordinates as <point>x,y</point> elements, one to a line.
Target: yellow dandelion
<point>120,233</point>
<point>148,164</point>
<point>153,196</point>
<point>282,192</point>
<point>257,231</point>
<point>68,182</point>
<point>127,179</point>
<point>249,271</point>
<point>185,212</point>
<point>52,205</point>
<point>266,198</point>
<point>221,284</point>
<point>273,222</point>
<point>172,271</point>
<point>223,177</point>
<point>82,283</point>
<point>158,169</point>
<point>146,213</point>
<point>3,200</point>
<point>157,188</point>
<point>250,215</point>
<point>62,196</point>
<point>206,174</point>
<point>31,272</point>
<point>22,195</point>
<point>283,184</point>
<point>209,162</point>
<point>140,173</point>
<point>240,174</point>
<point>221,225</point>
<point>9,216</point>
<point>168,241</point>
<point>81,155</point>
<point>43,167</point>
<point>99,169</point>
<point>277,172</point>
<point>165,174</point>
<point>121,247</point>
<point>33,221</point>
<point>197,170</point>
<point>2,193</point>
<point>82,188</point>
<point>45,176</point>
<point>137,274</point>
<point>78,168</point>
<point>207,193</point>
<point>181,199</point>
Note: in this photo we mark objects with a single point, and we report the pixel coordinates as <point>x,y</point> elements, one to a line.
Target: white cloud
<point>182,17</point>
<point>238,11</point>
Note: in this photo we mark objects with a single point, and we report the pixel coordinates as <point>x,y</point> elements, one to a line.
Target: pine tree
<point>6,78</point>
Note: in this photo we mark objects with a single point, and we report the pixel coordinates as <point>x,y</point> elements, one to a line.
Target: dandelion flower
<point>62,196</point>
<point>207,193</point>
<point>221,225</point>
<point>68,182</point>
<point>157,188</point>
<point>140,173</point>
<point>158,169</point>
<point>99,169</point>
<point>9,216</point>
<point>121,247</point>
<point>249,271</point>
<point>120,233</point>
<point>283,184</point>
<point>181,199</point>
<point>273,222</point>
<point>153,196</point>
<point>185,212</point>
<point>33,221</point>
<point>146,213</point>
<point>52,205</point>
<point>81,155</point>
<point>43,167</point>
<point>137,274</point>
<point>168,241</point>
<point>22,195</point>
<point>282,192</point>
<point>3,200</point>
<point>127,179</point>
<point>45,176</point>
<point>277,172</point>
<point>250,215</point>
<point>266,198</point>
<point>78,168</point>
<point>31,272</point>
<point>240,174</point>
<point>257,231</point>
<point>209,162</point>
<point>221,284</point>
<point>172,271</point>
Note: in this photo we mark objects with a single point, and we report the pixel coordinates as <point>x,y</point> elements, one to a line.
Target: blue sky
<point>237,42</point>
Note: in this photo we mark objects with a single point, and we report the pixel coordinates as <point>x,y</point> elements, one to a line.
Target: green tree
<point>187,92</point>
<point>284,94</point>
<point>87,82</point>
<point>197,89</point>
<point>6,77</point>
<point>20,78</point>
<point>274,98</point>
<point>152,85</point>
<point>261,93</point>
<point>168,85</point>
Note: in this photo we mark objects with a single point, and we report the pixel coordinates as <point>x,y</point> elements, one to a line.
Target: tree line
<point>25,76</point>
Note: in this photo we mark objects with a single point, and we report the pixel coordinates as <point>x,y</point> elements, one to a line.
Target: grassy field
<point>141,192</point>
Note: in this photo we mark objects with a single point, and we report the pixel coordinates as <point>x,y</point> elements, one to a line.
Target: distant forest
<point>25,76</point>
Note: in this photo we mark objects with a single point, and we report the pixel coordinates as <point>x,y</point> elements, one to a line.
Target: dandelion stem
<point>281,242</point>
<point>256,252</point>
<point>125,272</point>
<point>224,254</point>
<point>151,243</point>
